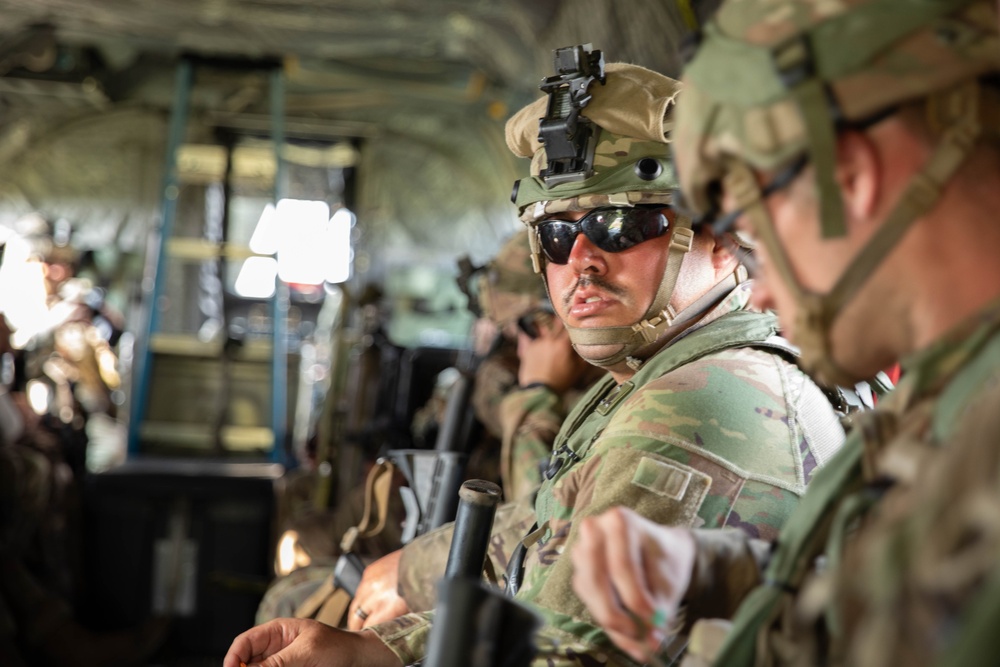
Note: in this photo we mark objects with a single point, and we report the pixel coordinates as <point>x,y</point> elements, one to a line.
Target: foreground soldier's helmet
<point>773,81</point>
<point>632,114</point>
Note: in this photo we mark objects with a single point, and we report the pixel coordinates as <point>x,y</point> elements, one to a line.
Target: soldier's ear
<point>721,250</point>
<point>860,175</point>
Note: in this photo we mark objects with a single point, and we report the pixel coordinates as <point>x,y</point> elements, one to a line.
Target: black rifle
<point>434,476</point>
<point>477,506</point>
<point>474,624</point>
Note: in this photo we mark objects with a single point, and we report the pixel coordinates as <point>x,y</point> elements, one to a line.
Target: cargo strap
<point>329,603</point>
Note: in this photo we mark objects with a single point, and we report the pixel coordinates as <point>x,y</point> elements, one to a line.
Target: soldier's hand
<point>377,596</point>
<point>296,642</point>
<point>550,358</point>
<point>632,574</point>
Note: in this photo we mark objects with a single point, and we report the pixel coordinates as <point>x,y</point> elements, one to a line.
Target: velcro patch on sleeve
<point>662,478</point>
<point>658,487</point>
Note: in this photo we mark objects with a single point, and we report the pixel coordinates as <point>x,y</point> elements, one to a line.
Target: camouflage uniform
<point>423,560</point>
<point>495,377</point>
<point>534,416</point>
<point>892,557</point>
<point>525,420</point>
<point>920,474</point>
<point>663,445</point>
<point>531,418</point>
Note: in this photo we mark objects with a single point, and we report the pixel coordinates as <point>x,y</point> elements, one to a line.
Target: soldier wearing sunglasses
<point>703,418</point>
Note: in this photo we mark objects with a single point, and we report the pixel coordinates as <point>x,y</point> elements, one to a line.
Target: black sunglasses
<point>612,229</point>
<point>724,223</point>
<point>531,321</point>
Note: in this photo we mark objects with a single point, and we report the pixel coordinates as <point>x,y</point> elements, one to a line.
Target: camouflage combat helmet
<point>771,84</point>
<point>508,287</point>
<point>632,113</point>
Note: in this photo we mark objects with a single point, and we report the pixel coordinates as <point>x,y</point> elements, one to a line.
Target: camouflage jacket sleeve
<point>495,378</point>
<point>909,573</point>
<point>716,443</point>
<point>423,560</point>
<point>530,419</point>
<point>727,567</point>
<point>406,636</point>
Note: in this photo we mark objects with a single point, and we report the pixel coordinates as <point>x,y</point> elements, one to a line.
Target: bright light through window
<point>302,229</point>
<point>23,299</point>
<point>311,247</point>
<point>265,235</point>
<point>256,279</point>
<point>339,253</point>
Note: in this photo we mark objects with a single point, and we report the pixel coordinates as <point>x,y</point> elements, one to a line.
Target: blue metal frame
<point>279,304</point>
<point>178,125</point>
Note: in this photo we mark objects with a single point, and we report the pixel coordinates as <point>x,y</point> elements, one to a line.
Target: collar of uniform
<point>927,370</point>
<point>737,299</point>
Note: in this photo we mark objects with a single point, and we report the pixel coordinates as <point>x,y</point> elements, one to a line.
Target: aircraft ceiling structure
<point>421,89</point>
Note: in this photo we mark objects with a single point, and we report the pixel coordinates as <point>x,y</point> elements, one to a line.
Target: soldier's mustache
<point>591,281</point>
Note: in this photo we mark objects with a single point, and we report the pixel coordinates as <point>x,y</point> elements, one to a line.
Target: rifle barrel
<point>477,505</point>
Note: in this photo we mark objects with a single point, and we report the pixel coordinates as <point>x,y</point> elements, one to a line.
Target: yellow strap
<point>329,603</point>
<point>313,603</point>
<point>378,486</point>
<point>334,610</point>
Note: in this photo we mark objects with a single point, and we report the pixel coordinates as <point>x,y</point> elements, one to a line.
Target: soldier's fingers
<point>590,579</point>
<point>353,618</point>
<point>362,603</point>
<point>355,621</point>
<point>595,558</point>
<point>256,644</point>
<point>627,569</point>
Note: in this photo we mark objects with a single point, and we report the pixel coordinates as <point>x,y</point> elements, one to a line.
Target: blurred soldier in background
<point>55,341</point>
<point>511,398</point>
<point>63,334</point>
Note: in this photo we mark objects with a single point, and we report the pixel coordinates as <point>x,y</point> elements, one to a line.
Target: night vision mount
<point>467,271</point>
<point>568,137</point>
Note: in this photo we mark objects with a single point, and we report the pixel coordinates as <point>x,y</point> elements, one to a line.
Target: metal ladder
<point>153,350</point>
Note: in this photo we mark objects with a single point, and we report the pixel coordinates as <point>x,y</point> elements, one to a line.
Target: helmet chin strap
<point>661,328</point>
<point>817,312</point>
